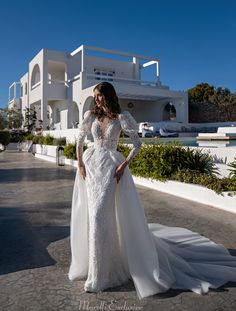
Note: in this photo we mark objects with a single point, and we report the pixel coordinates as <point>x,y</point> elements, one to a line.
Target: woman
<point>111,241</point>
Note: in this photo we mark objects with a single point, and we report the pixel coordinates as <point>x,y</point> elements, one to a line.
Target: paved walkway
<point>35,198</point>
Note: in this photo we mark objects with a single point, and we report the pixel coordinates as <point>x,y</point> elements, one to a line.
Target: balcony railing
<point>35,85</point>
<point>57,89</point>
<point>77,77</point>
<point>62,82</point>
<point>126,80</point>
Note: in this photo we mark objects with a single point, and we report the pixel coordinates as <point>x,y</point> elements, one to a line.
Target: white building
<point>59,85</point>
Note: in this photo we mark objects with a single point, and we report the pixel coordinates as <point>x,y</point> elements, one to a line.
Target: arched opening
<point>35,77</point>
<point>57,115</point>
<point>73,115</point>
<point>88,104</point>
<point>169,112</point>
<point>56,72</point>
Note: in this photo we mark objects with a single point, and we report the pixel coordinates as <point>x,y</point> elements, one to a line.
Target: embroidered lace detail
<point>107,267</point>
<point>130,127</point>
<point>108,136</point>
<point>84,130</point>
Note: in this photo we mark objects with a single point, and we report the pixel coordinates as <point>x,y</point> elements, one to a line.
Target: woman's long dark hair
<point>111,101</point>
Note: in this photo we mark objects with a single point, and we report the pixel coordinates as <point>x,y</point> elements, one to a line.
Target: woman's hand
<point>82,170</point>
<point>120,170</point>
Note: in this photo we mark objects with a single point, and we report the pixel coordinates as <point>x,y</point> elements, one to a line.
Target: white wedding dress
<point>111,241</point>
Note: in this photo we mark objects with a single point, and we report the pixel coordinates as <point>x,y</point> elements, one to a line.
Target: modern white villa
<point>59,85</point>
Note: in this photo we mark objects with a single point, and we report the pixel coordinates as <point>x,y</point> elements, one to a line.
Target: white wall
<point>122,68</point>
<point>63,107</point>
<point>70,134</point>
<point>73,114</point>
<point>74,65</point>
<point>56,70</point>
<point>24,97</point>
<point>36,93</point>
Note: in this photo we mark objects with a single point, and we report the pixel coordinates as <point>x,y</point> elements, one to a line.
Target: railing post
<point>136,68</point>
<point>158,71</point>
<point>82,59</point>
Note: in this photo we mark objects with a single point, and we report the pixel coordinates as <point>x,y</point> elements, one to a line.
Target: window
<point>58,115</point>
<point>26,89</point>
<point>35,77</point>
<point>21,90</point>
<point>106,73</point>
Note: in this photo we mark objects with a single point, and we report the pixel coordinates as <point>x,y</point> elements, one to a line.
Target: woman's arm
<point>129,127</point>
<point>84,130</point>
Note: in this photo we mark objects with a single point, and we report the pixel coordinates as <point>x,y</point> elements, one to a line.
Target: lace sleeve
<point>130,127</point>
<point>84,130</point>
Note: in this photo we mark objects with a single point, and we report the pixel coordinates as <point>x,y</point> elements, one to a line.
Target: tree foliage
<point>3,120</point>
<point>220,100</point>
<point>5,138</point>
<point>30,119</point>
<point>224,101</point>
<point>15,118</point>
<point>200,93</point>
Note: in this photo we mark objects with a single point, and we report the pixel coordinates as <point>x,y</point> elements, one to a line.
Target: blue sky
<point>194,39</point>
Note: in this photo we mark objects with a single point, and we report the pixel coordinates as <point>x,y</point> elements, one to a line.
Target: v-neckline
<point>103,132</point>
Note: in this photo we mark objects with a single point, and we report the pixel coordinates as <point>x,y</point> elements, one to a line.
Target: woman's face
<point>99,98</point>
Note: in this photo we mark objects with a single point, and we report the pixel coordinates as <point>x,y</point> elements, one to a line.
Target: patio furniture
<point>165,133</point>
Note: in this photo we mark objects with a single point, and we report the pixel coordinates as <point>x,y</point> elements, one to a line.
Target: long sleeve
<point>84,130</point>
<point>130,127</point>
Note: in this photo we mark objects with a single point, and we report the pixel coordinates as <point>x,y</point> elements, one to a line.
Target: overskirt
<point>155,256</point>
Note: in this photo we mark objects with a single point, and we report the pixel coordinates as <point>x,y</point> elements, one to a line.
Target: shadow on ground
<point>24,246</point>
<point>35,174</point>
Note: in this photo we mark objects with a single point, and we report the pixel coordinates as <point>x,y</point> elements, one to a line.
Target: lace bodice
<point>107,136</point>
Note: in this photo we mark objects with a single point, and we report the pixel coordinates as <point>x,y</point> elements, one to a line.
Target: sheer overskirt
<point>111,241</point>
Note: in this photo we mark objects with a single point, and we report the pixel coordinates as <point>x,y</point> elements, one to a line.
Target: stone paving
<point>35,198</point>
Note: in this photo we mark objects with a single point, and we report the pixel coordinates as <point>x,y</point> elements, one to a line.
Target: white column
<point>82,59</point>
<point>158,71</point>
<point>83,77</point>
<point>136,68</point>
<point>186,107</point>
<point>44,91</point>
<point>14,90</point>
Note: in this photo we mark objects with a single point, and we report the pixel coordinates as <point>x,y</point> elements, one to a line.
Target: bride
<point>111,241</point>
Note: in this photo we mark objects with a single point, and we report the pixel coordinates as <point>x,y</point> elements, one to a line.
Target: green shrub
<point>209,181</point>
<point>173,162</point>
<point>29,137</point>
<point>46,140</point>
<point>36,139</point>
<point>123,149</point>
<point>161,162</point>
<point>196,159</point>
<point>59,141</point>
<point>232,175</point>
<point>5,137</point>
<point>41,140</point>
<point>70,151</point>
<point>17,137</point>
<point>233,170</point>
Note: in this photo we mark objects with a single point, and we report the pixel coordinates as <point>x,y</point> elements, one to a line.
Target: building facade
<point>59,86</point>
